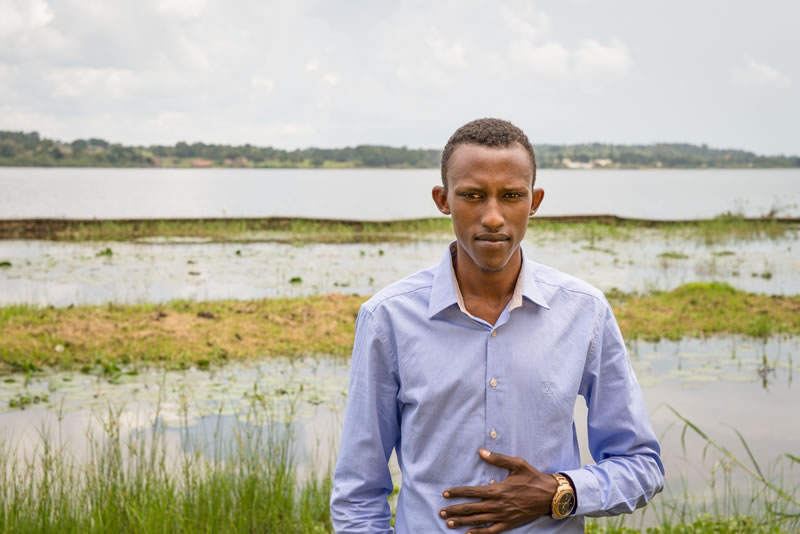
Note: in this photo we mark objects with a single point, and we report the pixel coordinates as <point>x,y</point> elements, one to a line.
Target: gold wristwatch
<point>564,499</point>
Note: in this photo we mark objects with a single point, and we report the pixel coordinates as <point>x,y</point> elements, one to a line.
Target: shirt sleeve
<point>361,480</point>
<point>629,471</point>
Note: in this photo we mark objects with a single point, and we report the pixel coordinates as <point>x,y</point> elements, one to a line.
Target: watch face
<point>565,504</point>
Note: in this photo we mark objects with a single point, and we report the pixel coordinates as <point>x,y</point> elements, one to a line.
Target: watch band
<point>564,500</point>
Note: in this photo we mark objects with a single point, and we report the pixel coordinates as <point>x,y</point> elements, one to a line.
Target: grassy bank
<point>183,333</point>
<point>728,227</point>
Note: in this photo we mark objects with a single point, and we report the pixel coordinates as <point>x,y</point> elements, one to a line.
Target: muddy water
<point>60,274</point>
<point>719,384</point>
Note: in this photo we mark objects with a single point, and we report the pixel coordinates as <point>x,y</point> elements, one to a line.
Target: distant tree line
<point>669,155</point>
<point>31,150</point>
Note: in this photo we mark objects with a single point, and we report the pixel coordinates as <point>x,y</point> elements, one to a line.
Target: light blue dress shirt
<point>435,384</point>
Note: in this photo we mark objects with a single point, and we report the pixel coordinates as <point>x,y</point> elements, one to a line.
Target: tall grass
<point>131,485</point>
<point>770,505</point>
<point>250,483</point>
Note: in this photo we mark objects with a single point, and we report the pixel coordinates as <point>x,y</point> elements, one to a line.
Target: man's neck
<point>493,289</point>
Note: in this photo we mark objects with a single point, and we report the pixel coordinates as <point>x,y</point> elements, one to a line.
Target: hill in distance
<point>20,149</point>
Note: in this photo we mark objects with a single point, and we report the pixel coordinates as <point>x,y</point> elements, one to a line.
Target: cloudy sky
<point>307,72</point>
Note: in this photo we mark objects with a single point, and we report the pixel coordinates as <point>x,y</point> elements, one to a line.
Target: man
<point>470,370</point>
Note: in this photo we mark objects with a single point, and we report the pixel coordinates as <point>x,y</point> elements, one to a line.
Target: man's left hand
<point>522,497</point>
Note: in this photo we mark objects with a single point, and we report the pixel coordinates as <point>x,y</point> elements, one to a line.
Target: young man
<point>470,370</point>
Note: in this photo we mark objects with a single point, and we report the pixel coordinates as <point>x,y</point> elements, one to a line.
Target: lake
<point>720,384</point>
<point>64,273</point>
<point>380,194</point>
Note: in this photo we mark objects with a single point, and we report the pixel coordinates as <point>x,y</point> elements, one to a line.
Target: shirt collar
<point>445,291</point>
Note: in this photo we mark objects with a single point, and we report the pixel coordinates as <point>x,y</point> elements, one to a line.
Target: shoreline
<point>292,230</point>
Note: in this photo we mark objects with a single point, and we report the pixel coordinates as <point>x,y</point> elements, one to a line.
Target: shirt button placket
<point>491,361</point>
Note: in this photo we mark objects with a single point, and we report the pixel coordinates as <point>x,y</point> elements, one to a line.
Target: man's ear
<point>439,194</point>
<point>538,196</point>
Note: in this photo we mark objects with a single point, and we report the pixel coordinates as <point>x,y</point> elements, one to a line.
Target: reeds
<point>770,505</point>
<point>248,483</point>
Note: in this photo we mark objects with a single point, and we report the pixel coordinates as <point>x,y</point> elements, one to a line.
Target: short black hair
<point>495,133</point>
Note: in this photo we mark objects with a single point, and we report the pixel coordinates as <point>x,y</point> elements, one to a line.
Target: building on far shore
<point>599,162</point>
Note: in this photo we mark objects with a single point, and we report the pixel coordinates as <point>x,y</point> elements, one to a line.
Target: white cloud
<point>523,19</point>
<point>596,62</point>
<point>262,82</point>
<point>755,74</point>
<point>550,58</point>
<point>87,82</point>
<point>181,8</point>
<point>449,54</point>
<point>22,15</point>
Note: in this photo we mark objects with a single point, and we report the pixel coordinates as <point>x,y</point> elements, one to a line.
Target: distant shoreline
<point>21,149</point>
<point>357,167</point>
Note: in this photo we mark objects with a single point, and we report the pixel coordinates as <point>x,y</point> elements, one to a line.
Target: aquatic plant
<point>770,506</point>
<point>247,483</point>
<point>672,255</point>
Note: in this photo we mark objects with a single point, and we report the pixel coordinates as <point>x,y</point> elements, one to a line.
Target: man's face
<point>490,197</point>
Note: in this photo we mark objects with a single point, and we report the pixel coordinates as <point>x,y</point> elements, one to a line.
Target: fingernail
<point>485,453</point>
<point>451,524</point>
<point>446,494</point>
<point>443,513</point>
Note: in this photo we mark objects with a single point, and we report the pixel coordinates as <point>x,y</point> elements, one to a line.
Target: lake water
<point>380,194</point>
<point>64,273</point>
<point>719,384</point>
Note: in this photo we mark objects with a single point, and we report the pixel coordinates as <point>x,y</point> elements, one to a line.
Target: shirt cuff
<point>587,490</point>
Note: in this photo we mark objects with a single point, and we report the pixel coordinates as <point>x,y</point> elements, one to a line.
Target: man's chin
<point>493,262</point>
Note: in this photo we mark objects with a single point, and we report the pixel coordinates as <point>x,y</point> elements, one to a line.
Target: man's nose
<point>492,218</point>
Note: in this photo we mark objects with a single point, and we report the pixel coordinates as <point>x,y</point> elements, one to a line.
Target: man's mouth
<point>493,237</point>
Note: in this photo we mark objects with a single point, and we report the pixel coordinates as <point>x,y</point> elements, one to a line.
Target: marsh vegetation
<point>294,230</point>
<point>710,310</point>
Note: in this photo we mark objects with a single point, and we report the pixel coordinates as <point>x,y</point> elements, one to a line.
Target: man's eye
<point>514,195</point>
<point>471,196</point>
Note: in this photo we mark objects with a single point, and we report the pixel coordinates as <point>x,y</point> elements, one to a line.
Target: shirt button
<point>493,382</point>
<point>493,434</point>
<point>494,333</point>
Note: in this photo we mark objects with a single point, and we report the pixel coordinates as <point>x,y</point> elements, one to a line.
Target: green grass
<point>102,339</point>
<point>592,229</point>
<point>672,255</point>
<point>133,485</point>
<point>704,309</point>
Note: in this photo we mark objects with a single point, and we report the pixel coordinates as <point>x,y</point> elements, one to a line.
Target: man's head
<point>488,170</point>
<point>493,133</point>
